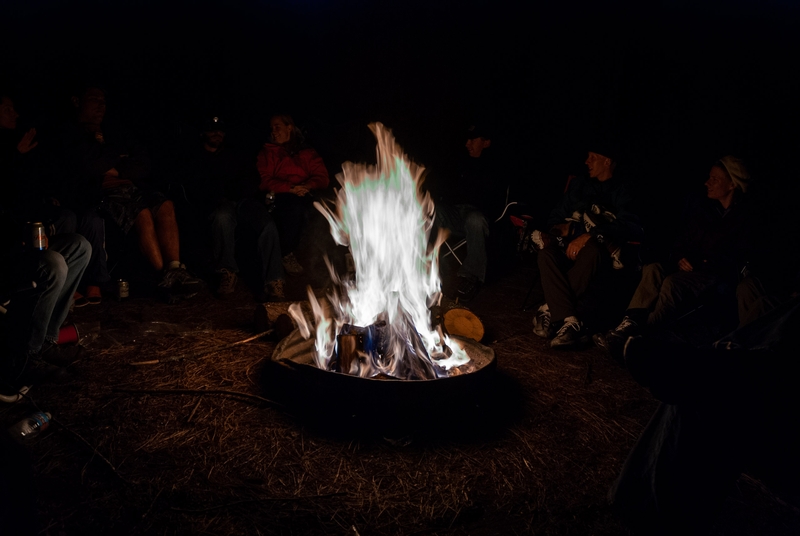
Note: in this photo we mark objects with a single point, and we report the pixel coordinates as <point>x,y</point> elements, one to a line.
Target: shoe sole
<point>582,341</point>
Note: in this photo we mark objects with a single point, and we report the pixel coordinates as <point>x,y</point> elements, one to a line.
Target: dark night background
<point>677,83</point>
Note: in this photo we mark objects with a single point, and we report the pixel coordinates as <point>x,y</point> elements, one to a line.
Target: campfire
<point>378,324</point>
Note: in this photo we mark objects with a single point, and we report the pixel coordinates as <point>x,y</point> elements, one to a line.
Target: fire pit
<point>372,341</point>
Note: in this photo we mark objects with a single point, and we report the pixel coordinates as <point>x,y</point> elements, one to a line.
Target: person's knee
<point>52,268</point>
<point>144,219</point>
<point>669,285</point>
<point>224,216</point>
<point>166,211</point>
<point>475,222</point>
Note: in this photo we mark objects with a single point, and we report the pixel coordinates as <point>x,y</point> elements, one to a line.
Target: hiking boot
<point>570,335</point>
<point>613,341</point>
<point>227,283</point>
<point>468,288</point>
<point>291,265</point>
<point>179,283</point>
<point>542,325</point>
<point>273,291</point>
<point>60,356</point>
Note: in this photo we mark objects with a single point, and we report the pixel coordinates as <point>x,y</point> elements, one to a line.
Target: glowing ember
<point>385,218</point>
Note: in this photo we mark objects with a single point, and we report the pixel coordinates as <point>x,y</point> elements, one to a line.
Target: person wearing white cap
<point>717,240</point>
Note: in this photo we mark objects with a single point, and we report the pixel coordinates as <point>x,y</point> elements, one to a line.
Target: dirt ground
<point>199,443</point>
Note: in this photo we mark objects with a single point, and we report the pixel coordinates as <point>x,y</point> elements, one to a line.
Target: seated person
<point>462,210</point>
<point>716,241</point>
<point>294,173</point>
<point>29,183</point>
<point>725,409</point>
<point>586,233</point>
<point>107,174</point>
<point>40,285</point>
<point>221,189</point>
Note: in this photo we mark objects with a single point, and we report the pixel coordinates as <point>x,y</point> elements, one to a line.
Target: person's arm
<point>316,170</point>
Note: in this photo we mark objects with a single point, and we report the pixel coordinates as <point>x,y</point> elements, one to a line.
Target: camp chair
<point>452,248</point>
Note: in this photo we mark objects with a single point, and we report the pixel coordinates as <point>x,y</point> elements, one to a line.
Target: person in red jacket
<point>293,172</point>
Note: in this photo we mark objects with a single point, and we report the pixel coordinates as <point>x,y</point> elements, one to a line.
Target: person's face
<point>281,132</point>
<point>8,115</point>
<point>214,138</point>
<point>719,184</point>
<point>475,146</point>
<point>599,165</point>
<point>92,107</point>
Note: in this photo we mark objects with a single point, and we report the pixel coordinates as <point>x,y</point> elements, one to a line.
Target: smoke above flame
<point>385,218</point>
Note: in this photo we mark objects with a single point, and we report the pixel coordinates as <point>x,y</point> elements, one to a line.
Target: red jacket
<point>280,172</point>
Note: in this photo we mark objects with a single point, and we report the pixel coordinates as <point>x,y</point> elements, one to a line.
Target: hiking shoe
<point>468,288</point>
<point>570,335</point>
<point>273,291</point>
<point>291,265</point>
<point>542,325</point>
<point>60,356</point>
<point>613,341</point>
<point>227,283</point>
<point>180,283</point>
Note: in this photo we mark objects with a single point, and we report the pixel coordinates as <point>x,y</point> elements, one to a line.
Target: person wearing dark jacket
<point>588,228</point>
<point>462,210</point>
<point>39,282</point>
<point>108,174</point>
<point>717,240</point>
<point>221,189</point>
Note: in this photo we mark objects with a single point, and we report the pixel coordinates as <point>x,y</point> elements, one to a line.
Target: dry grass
<point>195,446</point>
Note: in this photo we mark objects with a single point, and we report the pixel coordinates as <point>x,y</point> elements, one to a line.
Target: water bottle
<point>30,426</point>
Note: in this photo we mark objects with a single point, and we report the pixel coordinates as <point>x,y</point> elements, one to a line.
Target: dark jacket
<point>613,196</point>
<point>716,240</point>
<point>209,178</point>
<point>87,157</point>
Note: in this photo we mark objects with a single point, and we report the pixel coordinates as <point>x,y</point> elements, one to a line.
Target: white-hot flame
<point>384,217</point>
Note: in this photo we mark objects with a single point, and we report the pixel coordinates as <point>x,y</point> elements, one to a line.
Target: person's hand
<point>26,143</point>
<point>684,265</point>
<point>300,190</point>
<point>574,247</point>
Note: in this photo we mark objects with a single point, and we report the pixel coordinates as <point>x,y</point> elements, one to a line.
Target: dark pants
<point>93,228</point>
<point>468,222</point>
<point>291,214</point>
<point>36,315</point>
<point>565,282</point>
<point>255,216</point>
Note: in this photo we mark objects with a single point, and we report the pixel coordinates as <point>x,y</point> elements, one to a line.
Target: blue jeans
<point>255,216</point>
<point>468,222</point>
<point>39,313</point>
<point>93,228</point>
